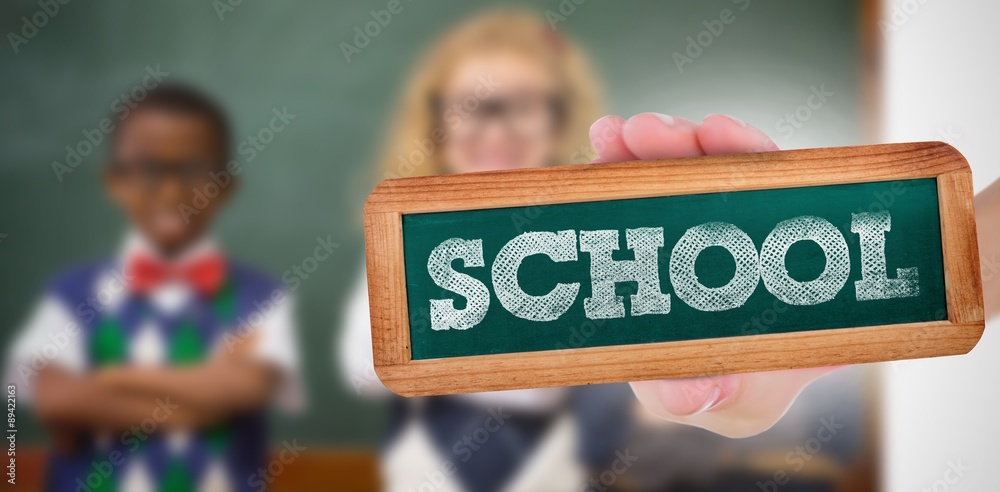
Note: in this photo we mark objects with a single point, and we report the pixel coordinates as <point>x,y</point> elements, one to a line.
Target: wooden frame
<point>642,179</point>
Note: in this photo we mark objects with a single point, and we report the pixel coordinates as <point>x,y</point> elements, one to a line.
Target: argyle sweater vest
<point>227,456</point>
<point>601,413</point>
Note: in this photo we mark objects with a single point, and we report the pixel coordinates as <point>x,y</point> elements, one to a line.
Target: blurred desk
<point>320,470</point>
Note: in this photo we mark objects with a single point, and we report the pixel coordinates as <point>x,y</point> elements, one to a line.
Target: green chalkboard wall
<point>914,240</point>
<point>312,179</point>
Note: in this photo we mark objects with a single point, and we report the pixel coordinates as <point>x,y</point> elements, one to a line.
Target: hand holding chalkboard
<point>735,405</point>
<point>645,270</point>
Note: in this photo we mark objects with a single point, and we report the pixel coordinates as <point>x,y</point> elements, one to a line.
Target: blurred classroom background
<point>311,179</point>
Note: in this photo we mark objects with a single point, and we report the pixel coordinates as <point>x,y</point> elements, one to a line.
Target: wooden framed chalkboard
<point>672,268</point>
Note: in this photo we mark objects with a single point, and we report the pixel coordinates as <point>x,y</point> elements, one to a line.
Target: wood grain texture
<point>387,289</point>
<point>733,355</point>
<point>666,177</point>
<point>963,279</point>
<point>641,179</point>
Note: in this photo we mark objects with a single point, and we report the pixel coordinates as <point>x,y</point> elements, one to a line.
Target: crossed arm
<point>117,398</point>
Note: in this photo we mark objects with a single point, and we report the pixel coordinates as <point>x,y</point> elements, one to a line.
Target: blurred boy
<point>152,370</point>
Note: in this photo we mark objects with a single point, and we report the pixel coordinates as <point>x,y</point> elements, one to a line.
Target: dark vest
<point>602,414</point>
<point>239,445</point>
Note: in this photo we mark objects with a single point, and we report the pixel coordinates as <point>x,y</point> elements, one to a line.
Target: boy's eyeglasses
<point>153,173</point>
<point>525,116</point>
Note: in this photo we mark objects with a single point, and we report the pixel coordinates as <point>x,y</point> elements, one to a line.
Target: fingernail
<point>611,122</point>
<point>769,145</point>
<point>710,402</point>
<point>687,397</point>
<point>665,118</point>
<point>739,122</point>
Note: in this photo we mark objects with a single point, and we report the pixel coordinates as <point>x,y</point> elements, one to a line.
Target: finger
<point>606,138</point>
<point>696,395</point>
<point>659,136</point>
<point>739,405</point>
<point>722,134</point>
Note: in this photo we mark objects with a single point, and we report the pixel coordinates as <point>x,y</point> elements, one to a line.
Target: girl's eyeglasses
<point>525,115</point>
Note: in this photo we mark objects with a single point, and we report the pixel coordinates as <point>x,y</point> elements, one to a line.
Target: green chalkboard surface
<point>913,242</point>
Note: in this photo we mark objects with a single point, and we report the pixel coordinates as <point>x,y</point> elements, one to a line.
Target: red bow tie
<point>204,274</point>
